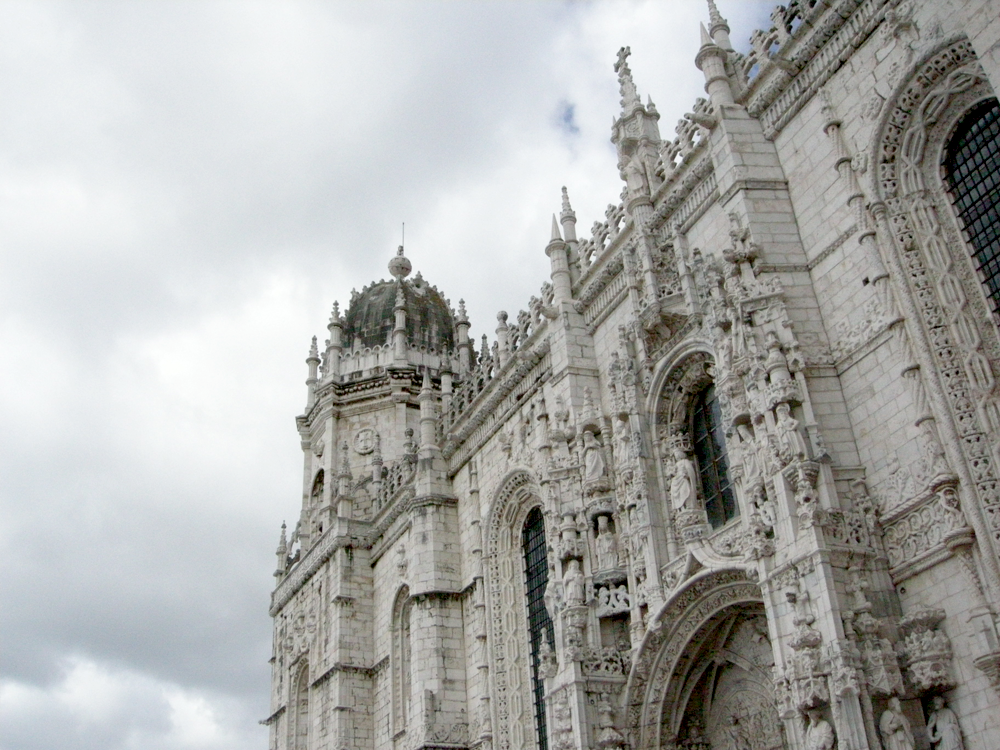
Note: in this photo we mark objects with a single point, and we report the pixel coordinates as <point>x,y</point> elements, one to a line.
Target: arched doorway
<point>703,676</point>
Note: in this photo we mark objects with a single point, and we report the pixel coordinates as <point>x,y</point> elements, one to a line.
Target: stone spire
<point>567,217</point>
<point>630,96</point>
<point>711,60</point>
<point>718,27</point>
<point>334,344</point>
<point>400,268</point>
<point>313,361</point>
<point>282,553</point>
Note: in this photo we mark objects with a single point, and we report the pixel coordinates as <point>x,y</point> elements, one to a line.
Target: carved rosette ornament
<point>926,651</point>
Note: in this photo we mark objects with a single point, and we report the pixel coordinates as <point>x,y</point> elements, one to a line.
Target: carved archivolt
<point>935,261</point>
<point>509,659</point>
<point>683,382</point>
<point>655,680</point>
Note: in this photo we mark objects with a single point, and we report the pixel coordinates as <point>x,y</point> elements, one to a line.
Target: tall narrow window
<point>536,578</point>
<point>710,455</point>
<point>402,660</point>
<point>972,169</point>
<point>300,710</point>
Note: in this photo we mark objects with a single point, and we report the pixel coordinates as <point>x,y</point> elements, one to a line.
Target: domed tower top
<point>371,317</point>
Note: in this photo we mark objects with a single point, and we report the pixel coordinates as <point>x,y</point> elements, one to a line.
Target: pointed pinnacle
<point>556,236</point>
<point>313,350</point>
<point>565,200</point>
<point>426,385</point>
<point>706,40</point>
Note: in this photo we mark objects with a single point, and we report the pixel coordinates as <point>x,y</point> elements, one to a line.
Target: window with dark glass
<point>710,456</point>
<point>536,577</point>
<point>972,170</point>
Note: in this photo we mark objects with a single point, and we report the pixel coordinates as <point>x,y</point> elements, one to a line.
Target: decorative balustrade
<point>394,477</point>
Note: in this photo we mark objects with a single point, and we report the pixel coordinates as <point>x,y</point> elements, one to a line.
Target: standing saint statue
<point>593,458</point>
<point>819,733</point>
<point>895,727</point>
<point>573,584</point>
<point>607,545</point>
<point>682,486</point>
<point>942,727</point>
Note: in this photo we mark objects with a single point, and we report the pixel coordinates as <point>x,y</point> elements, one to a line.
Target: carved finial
<point>463,317</point>
<point>313,351</point>
<point>400,265</point>
<point>630,97</point>
<point>502,318</point>
<point>283,541</point>
<point>335,314</point>
<point>715,18</point>
<point>345,463</point>
<point>377,450</point>
<point>426,385</point>
<point>567,209</point>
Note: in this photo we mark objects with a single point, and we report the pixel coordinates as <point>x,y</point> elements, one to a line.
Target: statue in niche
<point>593,458</point>
<point>682,486</point>
<point>752,469</point>
<point>788,432</point>
<point>607,545</point>
<point>819,733</point>
<point>573,584</point>
<point>634,176</point>
<point>942,727</point>
<point>895,727</point>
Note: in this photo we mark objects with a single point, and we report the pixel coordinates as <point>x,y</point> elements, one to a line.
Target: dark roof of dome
<point>371,316</point>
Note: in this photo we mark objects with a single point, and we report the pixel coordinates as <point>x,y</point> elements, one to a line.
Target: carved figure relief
<point>895,727</point>
<point>819,733</point>
<point>607,545</point>
<point>943,730</point>
<point>573,584</point>
<point>683,483</point>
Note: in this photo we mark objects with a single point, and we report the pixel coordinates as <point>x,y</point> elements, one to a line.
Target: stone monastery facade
<point>732,480</point>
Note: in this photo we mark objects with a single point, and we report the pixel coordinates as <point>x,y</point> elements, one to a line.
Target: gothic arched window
<point>401,660</point>
<point>972,170</point>
<point>709,446</point>
<point>536,578</point>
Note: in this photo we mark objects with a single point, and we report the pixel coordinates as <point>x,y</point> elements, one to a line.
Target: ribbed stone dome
<point>371,317</point>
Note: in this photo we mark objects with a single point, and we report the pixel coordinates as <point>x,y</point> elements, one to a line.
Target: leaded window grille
<point>536,578</point>
<point>710,456</point>
<point>972,170</point>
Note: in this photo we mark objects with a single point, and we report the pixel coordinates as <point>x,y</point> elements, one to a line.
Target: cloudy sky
<point>185,188</point>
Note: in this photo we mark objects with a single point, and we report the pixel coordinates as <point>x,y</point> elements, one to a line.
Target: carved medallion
<point>364,441</point>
